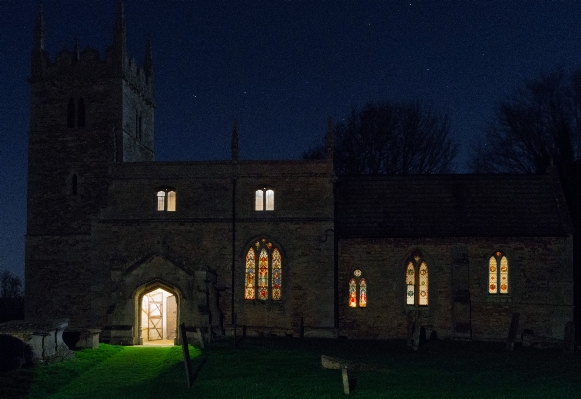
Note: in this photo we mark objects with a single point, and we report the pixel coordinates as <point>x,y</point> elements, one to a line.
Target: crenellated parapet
<point>88,65</point>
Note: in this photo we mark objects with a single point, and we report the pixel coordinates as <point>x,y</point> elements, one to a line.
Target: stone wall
<point>540,281</point>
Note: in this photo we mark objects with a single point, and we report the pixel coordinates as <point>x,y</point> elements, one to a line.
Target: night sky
<point>281,68</point>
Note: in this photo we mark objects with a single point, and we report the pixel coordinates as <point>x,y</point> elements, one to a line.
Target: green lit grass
<point>290,368</point>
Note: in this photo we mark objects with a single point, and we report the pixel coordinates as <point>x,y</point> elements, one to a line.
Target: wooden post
<point>186,351</point>
<point>345,380</point>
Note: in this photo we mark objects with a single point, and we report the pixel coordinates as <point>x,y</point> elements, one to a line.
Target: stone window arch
<point>357,290</point>
<point>498,274</point>
<point>417,280</point>
<point>263,271</point>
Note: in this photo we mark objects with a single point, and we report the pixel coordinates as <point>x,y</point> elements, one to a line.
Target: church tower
<point>87,112</point>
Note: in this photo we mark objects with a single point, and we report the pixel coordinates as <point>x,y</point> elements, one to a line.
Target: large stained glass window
<point>416,279</point>
<point>263,276</point>
<point>357,290</point>
<point>498,274</point>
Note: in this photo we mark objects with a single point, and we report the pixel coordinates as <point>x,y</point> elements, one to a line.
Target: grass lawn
<point>291,368</point>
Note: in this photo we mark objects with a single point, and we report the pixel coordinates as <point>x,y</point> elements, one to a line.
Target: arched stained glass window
<point>263,276</point>
<point>410,278</point>
<point>357,290</point>
<point>352,293</point>
<point>362,293</point>
<point>417,282</point>
<point>423,279</point>
<point>276,274</point>
<point>250,289</point>
<point>498,274</point>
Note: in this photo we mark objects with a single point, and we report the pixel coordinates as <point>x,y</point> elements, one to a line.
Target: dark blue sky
<point>281,68</point>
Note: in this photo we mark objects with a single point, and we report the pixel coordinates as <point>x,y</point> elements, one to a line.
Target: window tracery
<point>417,283</point>
<point>263,276</point>
<point>357,290</point>
<point>498,274</point>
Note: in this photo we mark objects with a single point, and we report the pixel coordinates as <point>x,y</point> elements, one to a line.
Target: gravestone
<point>186,352</point>
<point>512,331</point>
<point>345,380</point>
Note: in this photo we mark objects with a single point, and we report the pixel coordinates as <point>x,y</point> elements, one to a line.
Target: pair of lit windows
<point>263,274</point>
<point>416,278</point>
<point>264,200</point>
<point>498,274</point>
<point>357,290</point>
<point>166,201</point>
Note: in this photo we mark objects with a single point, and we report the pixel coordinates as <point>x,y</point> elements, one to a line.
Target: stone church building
<point>134,247</point>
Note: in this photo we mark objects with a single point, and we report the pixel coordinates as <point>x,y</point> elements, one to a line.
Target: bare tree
<point>538,126</point>
<point>10,285</point>
<point>391,138</point>
<point>11,297</point>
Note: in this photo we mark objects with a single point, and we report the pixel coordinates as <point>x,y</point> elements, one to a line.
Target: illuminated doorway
<point>158,317</point>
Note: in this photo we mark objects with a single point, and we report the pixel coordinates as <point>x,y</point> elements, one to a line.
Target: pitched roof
<point>451,206</point>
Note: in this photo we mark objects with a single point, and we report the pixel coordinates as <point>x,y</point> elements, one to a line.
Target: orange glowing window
<point>498,274</point>
<point>357,290</point>
<point>263,271</point>
<point>416,280</point>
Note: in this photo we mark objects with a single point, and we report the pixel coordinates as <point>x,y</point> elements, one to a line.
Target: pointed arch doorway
<point>157,314</point>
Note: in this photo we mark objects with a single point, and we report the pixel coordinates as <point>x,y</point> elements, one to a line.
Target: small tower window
<point>71,113</point>
<point>81,120</point>
<point>264,200</point>
<point>166,200</point>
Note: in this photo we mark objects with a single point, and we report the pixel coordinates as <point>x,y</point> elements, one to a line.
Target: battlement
<point>88,63</point>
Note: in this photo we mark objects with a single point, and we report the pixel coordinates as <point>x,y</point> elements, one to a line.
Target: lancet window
<point>263,271</point>
<point>498,274</point>
<point>357,290</point>
<point>416,276</point>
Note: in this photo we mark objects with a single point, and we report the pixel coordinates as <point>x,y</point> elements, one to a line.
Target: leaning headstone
<point>186,351</point>
<point>345,380</point>
<point>512,331</point>
<point>569,346</point>
<point>200,335</point>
